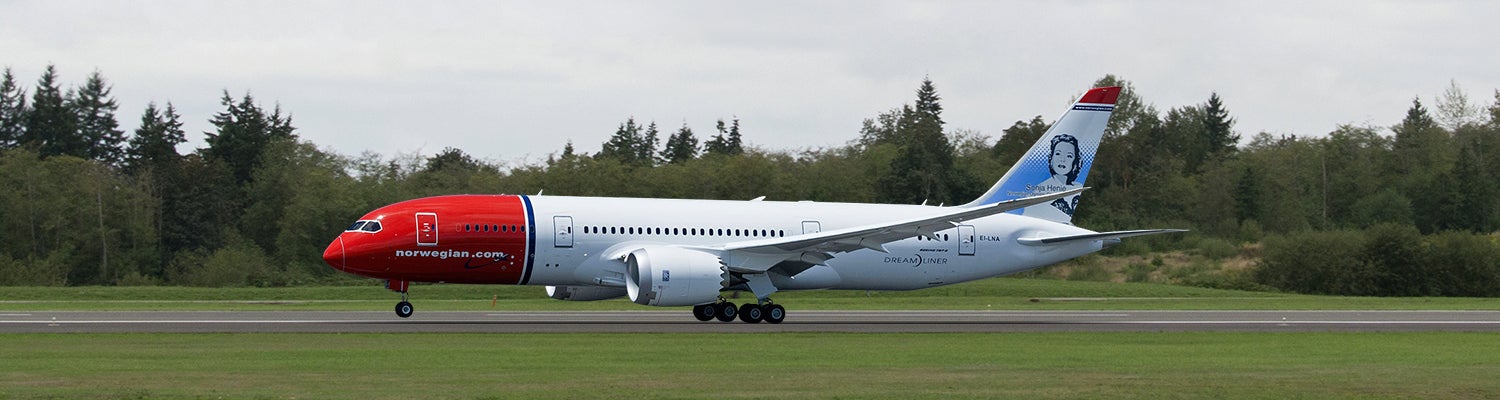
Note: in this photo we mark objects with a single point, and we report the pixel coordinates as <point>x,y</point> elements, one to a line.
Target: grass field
<point>997,293</point>
<point>750,365</point>
<point>632,366</point>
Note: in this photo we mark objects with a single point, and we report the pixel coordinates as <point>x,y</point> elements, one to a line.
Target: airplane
<point>682,252</point>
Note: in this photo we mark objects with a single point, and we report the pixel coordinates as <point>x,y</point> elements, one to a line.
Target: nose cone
<point>334,254</point>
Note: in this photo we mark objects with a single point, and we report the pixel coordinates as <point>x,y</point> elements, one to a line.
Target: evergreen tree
<point>1417,122</point>
<point>929,107</point>
<point>727,142</point>
<point>96,121</point>
<point>152,157</point>
<point>12,111</point>
<point>923,167</point>
<point>735,145</point>
<point>1421,148</point>
<point>622,146</point>
<point>154,145</point>
<point>51,125</point>
<point>1218,127</point>
<point>681,146</point>
<point>567,153</point>
<point>243,131</point>
<point>1473,194</point>
<point>645,147</point>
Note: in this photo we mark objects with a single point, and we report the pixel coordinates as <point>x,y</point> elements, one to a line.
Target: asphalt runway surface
<point>681,321</point>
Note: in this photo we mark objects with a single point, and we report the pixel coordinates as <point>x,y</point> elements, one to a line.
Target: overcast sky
<point>510,81</point>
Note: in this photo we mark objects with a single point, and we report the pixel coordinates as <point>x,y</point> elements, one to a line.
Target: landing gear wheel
<point>726,311</point>
<point>403,310</point>
<point>751,313</point>
<point>774,313</point>
<point>705,312</point>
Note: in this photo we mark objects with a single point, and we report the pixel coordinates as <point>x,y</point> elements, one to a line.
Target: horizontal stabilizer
<point>1093,236</point>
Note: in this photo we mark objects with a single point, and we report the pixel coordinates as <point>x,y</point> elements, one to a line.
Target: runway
<point>680,321</point>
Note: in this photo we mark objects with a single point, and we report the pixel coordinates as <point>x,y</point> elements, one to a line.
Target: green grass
<point>820,365</point>
<point>997,293</point>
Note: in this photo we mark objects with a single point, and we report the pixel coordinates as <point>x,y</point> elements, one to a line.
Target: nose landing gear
<point>404,308</point>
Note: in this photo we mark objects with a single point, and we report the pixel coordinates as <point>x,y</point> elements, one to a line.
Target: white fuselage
<point>578,240</point>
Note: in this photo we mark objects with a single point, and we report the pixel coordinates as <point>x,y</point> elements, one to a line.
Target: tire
<point>775,313</point>
<point>404,310</point>
<point>726,311</point>
<point>704,312</point>
<point>751,313</point>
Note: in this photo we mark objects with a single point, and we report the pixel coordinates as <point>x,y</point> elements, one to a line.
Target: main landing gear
<point>403,309</point>
<point>725,311</point>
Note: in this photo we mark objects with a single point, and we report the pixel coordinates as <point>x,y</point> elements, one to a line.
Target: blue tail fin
<point>1059,161</point>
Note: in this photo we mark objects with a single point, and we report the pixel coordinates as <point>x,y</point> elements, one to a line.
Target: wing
<point>755,256</point>
<point>1093,236</point>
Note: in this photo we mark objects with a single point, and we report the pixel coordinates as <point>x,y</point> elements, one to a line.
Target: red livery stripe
<point>1104,95</point>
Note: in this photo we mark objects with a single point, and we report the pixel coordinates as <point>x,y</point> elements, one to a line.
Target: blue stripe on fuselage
<point>530,240</point>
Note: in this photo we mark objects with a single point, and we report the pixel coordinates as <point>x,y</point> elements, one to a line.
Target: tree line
<point>90,204</point>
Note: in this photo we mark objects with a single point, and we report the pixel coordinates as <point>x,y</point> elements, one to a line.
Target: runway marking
<point>1409,322</point>
<point>15,315</point>
<point>835,322</point>
<point>164,322</point>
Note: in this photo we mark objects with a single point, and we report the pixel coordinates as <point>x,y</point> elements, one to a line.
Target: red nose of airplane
<point>334,254</point>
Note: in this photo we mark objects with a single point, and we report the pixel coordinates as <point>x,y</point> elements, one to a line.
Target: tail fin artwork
<point>1059,161</point>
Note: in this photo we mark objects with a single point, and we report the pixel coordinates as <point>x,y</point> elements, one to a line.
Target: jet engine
<point>671,276</point>
<point>584,293</point>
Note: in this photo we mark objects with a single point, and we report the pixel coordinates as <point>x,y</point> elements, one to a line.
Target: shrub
<point>232,265</point>
<point>1463,264</point>
<point>1136,272</point>
<point>1316,262</point>
<point>1394,255</point>
<point>33,272</point>
<point>1217,249</point>
<point>1089,272</point>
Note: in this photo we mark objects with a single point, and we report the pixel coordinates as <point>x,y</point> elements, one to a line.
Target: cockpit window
<point>364,226</point>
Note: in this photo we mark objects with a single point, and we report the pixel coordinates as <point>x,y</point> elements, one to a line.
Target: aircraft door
<point>966,238</point>
<point>562,231</point>
<point>811,227</point>
<point>427,229</point>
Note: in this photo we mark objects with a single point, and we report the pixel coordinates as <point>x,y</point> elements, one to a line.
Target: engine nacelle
<point>670,276</point>
<point>584,293</point>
